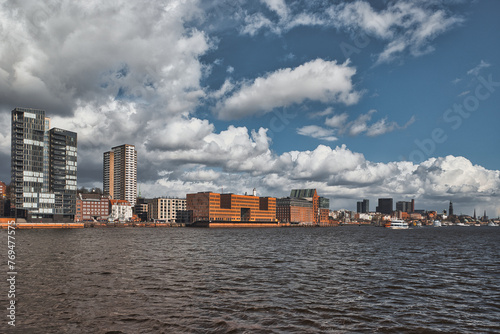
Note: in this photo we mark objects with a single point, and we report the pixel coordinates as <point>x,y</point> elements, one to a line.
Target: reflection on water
<point>282,280</point>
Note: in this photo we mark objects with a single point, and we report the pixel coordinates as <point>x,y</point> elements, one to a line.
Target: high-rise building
<point>363,206</point>
<point>43,166</point>
<point>62,170</point>
<point>403,206</point>
<point>385,205</point>
<point>120,173</point>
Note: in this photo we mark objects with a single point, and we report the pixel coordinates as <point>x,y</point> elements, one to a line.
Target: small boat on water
<point>397,224</point>
<point>492,223</point>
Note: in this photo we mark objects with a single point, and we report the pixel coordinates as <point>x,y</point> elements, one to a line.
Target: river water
<point>345,279</point>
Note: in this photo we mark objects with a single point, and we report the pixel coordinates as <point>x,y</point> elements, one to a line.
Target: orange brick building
<point>209,206</point>
<point>294,210</point>
<point>320,205</point>
<point>90,207</point>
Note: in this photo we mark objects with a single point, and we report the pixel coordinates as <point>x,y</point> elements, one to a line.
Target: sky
<point>358,99</point>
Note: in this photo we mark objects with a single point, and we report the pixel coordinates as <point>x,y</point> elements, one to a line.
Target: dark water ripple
<point>307,280</point>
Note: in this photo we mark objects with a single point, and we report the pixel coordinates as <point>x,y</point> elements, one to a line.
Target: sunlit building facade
<point>167,209</point>
<point>120,173</point>
<point>294,210</point>
<point>209,206</point>
<point>320,205</point>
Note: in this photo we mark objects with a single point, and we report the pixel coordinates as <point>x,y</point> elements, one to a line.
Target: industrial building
<point>294,210</point>
<point>209,206</point>
<point>320,205</point>
<point>91,207</point>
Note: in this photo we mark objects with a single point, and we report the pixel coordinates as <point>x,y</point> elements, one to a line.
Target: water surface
<point>273,280</point>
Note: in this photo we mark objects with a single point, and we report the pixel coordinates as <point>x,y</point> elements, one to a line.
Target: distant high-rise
<point>120,173</point>
<point>363,206</point>
<point>43,166</point>
<point>405,206</point>
<point>385,205</point>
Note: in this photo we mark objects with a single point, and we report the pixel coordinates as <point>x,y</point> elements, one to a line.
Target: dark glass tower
<point>43,164</point>
<point>385,205</point>
<point>62,171</point>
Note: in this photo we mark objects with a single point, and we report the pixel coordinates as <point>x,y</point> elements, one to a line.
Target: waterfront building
<point>62,171</point>
<point>4,207</point>
<point>294,210</point>
<point>363,206</point>
<point>91,207</point>
<point>141,208</point>
<point>385,206</point>
<point>209,206</point>
<point>120,173</point>
<point>321,205</point>
<point>170,210</point>
<point>3,190</point>
<point>119,210</point>
<point>43,167</point>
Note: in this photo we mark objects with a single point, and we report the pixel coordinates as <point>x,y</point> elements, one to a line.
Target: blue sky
<point>357,99</point>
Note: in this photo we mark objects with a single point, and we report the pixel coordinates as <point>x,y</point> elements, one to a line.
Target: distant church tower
<point>474,214</point>
<point>450,211</point>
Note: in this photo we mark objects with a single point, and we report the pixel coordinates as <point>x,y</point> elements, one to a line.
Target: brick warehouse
<point>209,206</point>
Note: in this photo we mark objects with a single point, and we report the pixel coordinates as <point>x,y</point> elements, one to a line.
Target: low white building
<point>119,210</point>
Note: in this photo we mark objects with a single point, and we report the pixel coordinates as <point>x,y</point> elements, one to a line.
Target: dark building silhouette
<point>405,206</point>
<point>363,206</point>
<point>385,205</point>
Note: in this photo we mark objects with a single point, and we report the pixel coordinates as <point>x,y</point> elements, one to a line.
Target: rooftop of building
<point>305,193</point>
<point>119,202</point>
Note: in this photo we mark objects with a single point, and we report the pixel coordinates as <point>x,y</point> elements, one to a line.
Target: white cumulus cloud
<point>316,80</point>
<point>317,132</point>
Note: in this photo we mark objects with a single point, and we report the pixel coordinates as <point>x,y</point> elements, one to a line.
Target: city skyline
<point>360,100</point>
